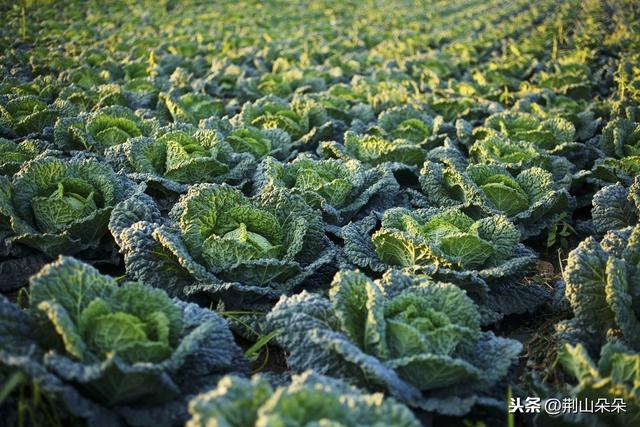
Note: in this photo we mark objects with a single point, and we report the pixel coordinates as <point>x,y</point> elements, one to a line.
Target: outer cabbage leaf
<point>309,400</point>
<point>418,339</point>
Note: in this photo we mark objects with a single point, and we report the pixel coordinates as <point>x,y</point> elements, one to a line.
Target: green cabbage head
<point>61,206</point>
<point>310,400</point>
<point>603,286</point>
<point>221,242</point>
<point>341,189</point>
<point>417,338</point>
<point>531,199</point>
<point>111,352</point>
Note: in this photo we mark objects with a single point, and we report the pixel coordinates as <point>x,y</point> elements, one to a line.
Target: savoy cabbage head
<point>531,199</point>
<point>374,149</point>
<point>14,154</point>
<point>518,156</point>
<point>420,340</point>
<point>242,402</point>
<point>603,288</point>
<point>224,244</point>
<point>554,136</point>
<point>341,189</point>
<point>113,352</point>
<point>444,242</point>
<point>303,119</point>
<point>179,155</point>
<point>25,115</point>
<point>616,375</point>
<point>100,129</point>
<point>548,134</point>
<point>620,142</point>
<point>403,124</point>
<point>191,107</point>
<point>616,206</point>
<point>260,143</point>
<point>61,206</point>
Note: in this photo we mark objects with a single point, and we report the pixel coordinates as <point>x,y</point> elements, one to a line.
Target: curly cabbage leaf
<point>419,340</point>
<point>113,353</point>
<point>326,401</point>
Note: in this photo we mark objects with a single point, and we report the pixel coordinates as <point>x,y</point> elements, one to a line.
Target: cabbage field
<point>326,214</point>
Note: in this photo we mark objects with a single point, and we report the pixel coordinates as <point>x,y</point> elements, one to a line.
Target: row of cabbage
<point>374,191</point>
